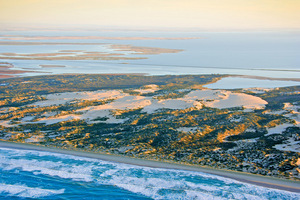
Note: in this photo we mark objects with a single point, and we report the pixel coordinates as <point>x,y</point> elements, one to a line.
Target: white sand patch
<point>91,115</point>
<point>293,112</point>
<point>49,114</point>
<point>53,120</point>
<point>298,162</point>
<point>236,119</point>
<point>239,100</point>
<point>35,138</point>
<point>226,99</point>
<point>174,104</point>
<point>287,106</point>
<point>148,104</point>
<point>278,129</point>
<point>258,90</point>
<point>93,112</point>
<point>290,111</point>
<point>7,109</point>
<point>291,145</point>
<point>294,108</point>
<point>27,118</point>
<point>123,101</point>
<point>4,110</point>
<point>206,95</point>
<point>250,130</point>
<point>6,123</point>
<point>295,117</point>
<point>151,108</point>
<point>147,89</point>
<point>188,129</point>
<point>171,104</point>
<point>129,102</point>
<point>62,98</point>
<point>277,112</point>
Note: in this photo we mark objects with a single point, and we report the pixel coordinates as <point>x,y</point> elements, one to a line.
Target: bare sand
<point>6,76</point>
<point>82,55</point>
<point>269,182</point>
<point>52,66</point>
<point>143,50</point>
<point>123,101</point>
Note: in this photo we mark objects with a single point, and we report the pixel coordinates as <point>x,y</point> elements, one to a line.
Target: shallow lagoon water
<point>239,83</point>
<point>27,174</point>
<point>271,54</point>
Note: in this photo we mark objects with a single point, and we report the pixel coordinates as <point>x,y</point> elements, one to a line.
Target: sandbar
<point>269,182</point>
<point>52,66</point>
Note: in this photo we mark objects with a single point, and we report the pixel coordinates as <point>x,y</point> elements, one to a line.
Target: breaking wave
<point>92,175</point>
<point>24,191</point>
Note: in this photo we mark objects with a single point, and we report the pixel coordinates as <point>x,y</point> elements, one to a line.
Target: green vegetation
<point>38,85</point>
<point>221,138</point>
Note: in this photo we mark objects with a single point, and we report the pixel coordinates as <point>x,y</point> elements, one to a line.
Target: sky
<point>185,14</point>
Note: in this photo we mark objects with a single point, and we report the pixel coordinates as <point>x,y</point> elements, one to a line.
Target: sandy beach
<point>269,182</point>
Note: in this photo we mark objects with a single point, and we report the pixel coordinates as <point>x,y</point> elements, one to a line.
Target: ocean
<point>28,174</point>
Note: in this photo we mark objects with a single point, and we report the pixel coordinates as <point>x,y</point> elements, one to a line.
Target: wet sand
<point>269,182</point>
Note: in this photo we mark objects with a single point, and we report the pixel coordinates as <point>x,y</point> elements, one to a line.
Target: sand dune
<point>226,99</point>
<point>124,101</point>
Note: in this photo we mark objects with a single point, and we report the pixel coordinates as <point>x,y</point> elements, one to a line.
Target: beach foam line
<point>269,182</point>
<point>27,192</point>
<point>59,169</point>
<point>156,183</point>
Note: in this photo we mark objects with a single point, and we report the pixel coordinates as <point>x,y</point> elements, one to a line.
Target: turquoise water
<point>26,174</point>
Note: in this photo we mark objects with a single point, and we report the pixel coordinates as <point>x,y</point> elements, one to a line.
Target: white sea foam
<point>25,191</point>
<point>190,194</point>
<point>160,188</point>
<point>173,184</point>
<point>77,173</point>
<point>22,152</point>
<point>151,182</point>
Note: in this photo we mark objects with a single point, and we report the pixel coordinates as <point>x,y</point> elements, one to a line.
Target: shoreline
<point>265,78</point>
<point>264,181</point>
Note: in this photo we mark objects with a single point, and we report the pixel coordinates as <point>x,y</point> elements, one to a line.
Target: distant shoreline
<point>269,182</point>
<point>265,78</point>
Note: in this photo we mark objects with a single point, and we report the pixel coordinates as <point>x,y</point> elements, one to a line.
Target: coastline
<point>265,78</point>
<point>264,181</point>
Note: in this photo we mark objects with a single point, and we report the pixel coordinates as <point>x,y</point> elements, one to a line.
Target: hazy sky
<point>202,14</point>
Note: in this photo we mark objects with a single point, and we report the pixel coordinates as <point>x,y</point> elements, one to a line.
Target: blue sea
<point>28,174</point>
